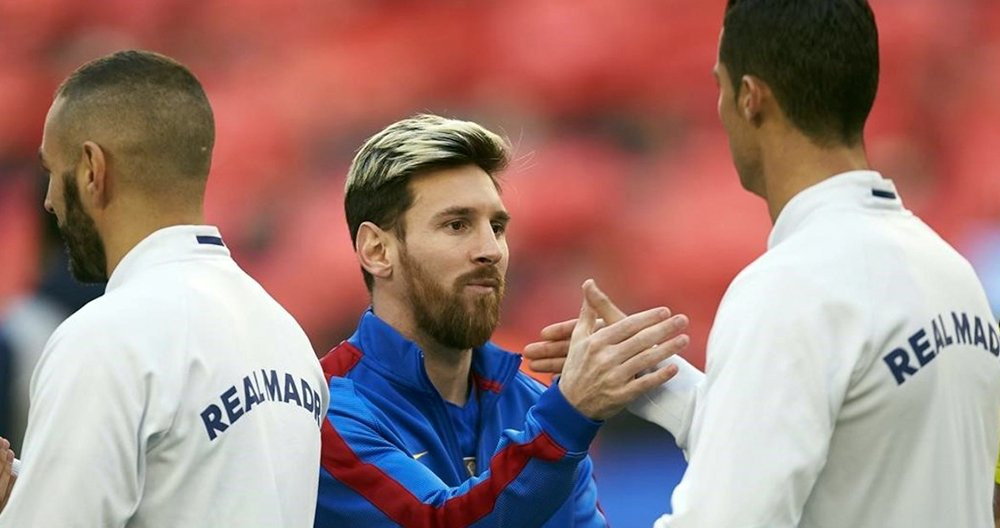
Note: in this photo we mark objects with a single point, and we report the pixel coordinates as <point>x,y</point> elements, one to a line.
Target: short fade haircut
<point>377,188</point>
<point>153,104</point>
<point>820,58</point>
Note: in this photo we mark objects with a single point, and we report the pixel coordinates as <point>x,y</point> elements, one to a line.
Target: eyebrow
<point>501,216</point>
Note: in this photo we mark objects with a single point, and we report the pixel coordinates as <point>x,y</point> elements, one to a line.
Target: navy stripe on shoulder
<point>214,240</point>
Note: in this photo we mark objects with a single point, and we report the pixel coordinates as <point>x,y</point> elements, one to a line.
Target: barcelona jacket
<point>391,456</point>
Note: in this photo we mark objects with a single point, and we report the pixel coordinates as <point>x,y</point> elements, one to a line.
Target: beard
<point>450,317</point>
<point>87,258</point>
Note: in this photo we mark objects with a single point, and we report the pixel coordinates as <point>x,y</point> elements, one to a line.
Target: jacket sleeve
<point>776,376</point>
<point>671,405</point>
<point>82,446</point>
<point>586,510</point>
<point>367,479</point>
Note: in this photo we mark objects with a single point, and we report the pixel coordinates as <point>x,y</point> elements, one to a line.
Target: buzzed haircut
<point>819,57</point>
<point>377,188</point>
<point>154,107</point>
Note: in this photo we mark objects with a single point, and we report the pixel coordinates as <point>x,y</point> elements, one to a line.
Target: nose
<point>48,199</point>
<point>489,249</point>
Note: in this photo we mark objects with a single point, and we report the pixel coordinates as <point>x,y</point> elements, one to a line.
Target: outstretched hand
<point>606,368</point>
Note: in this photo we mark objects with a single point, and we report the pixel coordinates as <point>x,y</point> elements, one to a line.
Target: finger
<point>585,323</point>
<point>558,331</point>
<point>546,349</point>
<point>602,304</point>
<point>5,477</point>
<point>653,379</point>
<point>547,366</point>
<point>562,331</point>
<point>624,329</point>
<point>6,457</point>
<point>647,360</point>
<point>652,335</point>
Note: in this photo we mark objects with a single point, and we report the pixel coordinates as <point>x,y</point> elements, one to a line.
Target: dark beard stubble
<point>87,257</point>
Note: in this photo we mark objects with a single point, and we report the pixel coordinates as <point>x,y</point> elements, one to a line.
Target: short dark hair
<point>820,58</point>
<point>153,100</point>
<point>377,188</point>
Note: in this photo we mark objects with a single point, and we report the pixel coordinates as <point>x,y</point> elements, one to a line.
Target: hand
<point>607,368</point>
<point>548,355</point>
<point>6,478</point>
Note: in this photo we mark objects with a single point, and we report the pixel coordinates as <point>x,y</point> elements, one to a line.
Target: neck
<point>127,227</point>
<point>793,163</point>
<point>447,368</point>
<point>449,373</point>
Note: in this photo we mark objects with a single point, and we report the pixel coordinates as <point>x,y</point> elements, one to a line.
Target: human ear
<point>93,165</point>
<point>373,248</point>
<point>750,101</point>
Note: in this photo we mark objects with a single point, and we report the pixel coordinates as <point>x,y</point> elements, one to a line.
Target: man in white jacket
<point>852,373</point>
<point>185,396</point>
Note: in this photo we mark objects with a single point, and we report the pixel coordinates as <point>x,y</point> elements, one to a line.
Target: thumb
<point>588,318</point>
<point>601,304</point>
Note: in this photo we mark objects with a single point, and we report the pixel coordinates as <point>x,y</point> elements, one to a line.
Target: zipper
<point>443,420</point>
<point>487,418</point>
<point>489,428</point>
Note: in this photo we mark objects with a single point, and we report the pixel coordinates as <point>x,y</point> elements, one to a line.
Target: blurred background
<point>621,172</point>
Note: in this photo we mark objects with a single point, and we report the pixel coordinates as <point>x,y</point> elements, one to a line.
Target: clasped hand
<point>608,358</point>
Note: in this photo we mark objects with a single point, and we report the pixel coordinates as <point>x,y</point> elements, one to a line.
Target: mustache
<point>487,274</point>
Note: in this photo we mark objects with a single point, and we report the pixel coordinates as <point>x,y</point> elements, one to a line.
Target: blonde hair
<point>377,188</point>
<point>422,142</point>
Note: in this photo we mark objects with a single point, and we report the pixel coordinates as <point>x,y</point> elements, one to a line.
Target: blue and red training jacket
<point>391,450</point>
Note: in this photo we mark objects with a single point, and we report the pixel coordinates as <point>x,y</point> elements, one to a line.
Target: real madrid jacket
<point>184,396</point>
<point>852,378</point>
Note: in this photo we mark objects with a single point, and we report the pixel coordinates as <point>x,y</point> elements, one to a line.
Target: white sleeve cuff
<point>671,405</point>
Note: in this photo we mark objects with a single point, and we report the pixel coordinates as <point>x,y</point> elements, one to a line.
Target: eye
<point>499,227</point>
<point>457,225</point>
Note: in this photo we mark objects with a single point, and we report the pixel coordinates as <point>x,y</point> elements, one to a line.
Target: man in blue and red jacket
<point>429,423</point>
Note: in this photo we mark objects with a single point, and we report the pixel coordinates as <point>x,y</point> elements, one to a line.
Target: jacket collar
<point>863,189</point>
<point>169,244</point>
<point>402,360</point>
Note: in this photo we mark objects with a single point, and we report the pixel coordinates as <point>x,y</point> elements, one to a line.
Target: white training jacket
<point>852,378</point>
<point>185,396</point>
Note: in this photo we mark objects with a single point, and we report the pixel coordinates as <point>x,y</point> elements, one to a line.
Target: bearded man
<point>160,403</point>
<point>429,424</point>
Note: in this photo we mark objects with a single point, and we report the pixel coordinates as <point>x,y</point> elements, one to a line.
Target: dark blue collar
<point>402,360</point>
